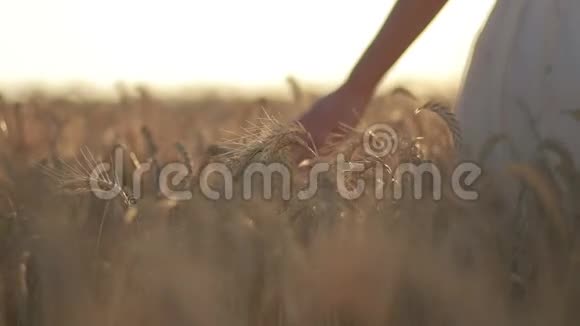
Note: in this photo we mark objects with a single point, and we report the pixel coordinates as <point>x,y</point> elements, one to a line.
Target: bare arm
<point>408,19</point>
<point>345,105</point>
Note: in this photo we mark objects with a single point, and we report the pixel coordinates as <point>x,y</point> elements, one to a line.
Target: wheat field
<point>69,258</point>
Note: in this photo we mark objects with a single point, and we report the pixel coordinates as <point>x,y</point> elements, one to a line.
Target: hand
<point>344,106</point>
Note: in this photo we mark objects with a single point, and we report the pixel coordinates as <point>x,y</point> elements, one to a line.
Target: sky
<point>249,43</point>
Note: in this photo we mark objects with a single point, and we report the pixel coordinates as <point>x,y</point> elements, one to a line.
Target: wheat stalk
<point>448,117</point>
<point>77,177</point>
<point>185,156</point>
<point>546,193</point>
<point>264,139</point>
<point>295,89</point>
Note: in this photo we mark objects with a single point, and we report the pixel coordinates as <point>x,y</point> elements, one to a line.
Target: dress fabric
<point>523,82</point>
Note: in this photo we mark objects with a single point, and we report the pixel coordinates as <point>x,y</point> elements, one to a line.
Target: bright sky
<point>234,42</point>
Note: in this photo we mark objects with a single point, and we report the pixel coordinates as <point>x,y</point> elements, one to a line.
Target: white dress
<point>525,66</point>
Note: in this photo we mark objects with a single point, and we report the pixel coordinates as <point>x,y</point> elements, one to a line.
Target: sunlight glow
<point>233,42</point>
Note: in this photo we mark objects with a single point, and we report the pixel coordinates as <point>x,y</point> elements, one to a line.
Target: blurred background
<point>200,82</point>
<point>249,45</point>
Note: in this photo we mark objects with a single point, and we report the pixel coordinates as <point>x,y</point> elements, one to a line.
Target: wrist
<point>358,88</point>
<point>359,96</point>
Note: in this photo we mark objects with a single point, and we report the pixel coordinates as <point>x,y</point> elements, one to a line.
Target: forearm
<point>407,20</point>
